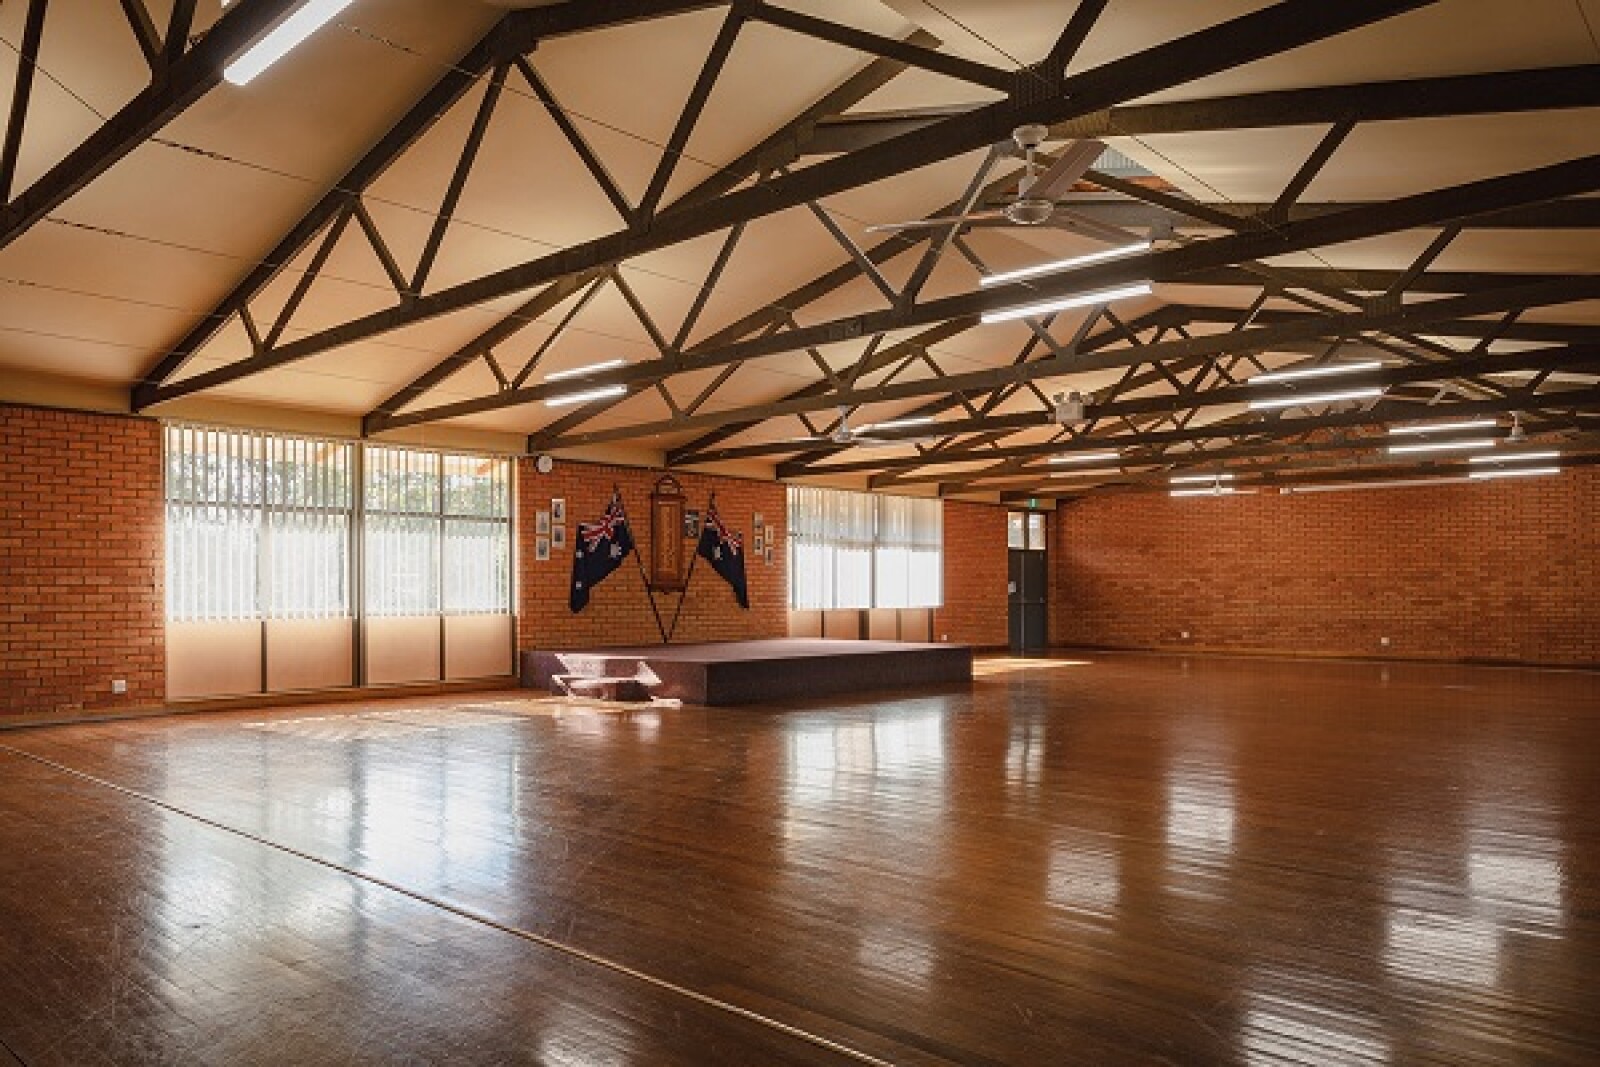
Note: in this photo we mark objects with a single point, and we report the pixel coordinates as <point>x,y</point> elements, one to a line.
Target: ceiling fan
<point>845,435</point>
<point>1037,193</point>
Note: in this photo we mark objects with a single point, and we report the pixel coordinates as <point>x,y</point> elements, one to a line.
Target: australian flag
<point>724,550</point>
<point>600,549</point>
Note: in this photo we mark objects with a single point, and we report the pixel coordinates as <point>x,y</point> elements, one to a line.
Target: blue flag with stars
<point>724,550</point>
<point>599,549</point>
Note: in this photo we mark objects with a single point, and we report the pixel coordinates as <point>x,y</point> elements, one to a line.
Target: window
<point>258,525</point>
<point>863,550</point>
<point>1025,530</point>
<point>438,533</point>
<point>263,526</point>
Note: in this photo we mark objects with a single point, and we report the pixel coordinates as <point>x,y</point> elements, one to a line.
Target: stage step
<point>627,690</point>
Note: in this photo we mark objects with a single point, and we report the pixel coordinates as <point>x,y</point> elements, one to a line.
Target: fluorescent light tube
<point>1444,427</point>
<point>1515,472</point>
<point>1190,479</point>
<point>307,19</point>
<point>1222,491</point>
<point>579,372</point>
<point>586,396</point>
<point>896,424</point>
<point>1314,372</point>
<point>1513,457</point>
<point>1078,300</point>
<point>1098,472</point>
<point>1086,457</point>
<point>1314,398</point>
<point>1065,264</point>
<point>1393,483</point>
<point>1443,446</point>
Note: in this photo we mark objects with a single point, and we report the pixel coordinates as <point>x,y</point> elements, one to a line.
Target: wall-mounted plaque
<point>667,572</point>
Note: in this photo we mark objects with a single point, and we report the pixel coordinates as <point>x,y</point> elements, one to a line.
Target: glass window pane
<point>1016,531</point>
<point>402,565</point>
<point>1036,530</point>
<point>477,566</point>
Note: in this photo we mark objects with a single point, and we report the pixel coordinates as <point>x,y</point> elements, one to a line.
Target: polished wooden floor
<point>1128,859</point>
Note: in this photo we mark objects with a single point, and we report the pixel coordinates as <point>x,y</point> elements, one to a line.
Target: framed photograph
<point>772,537</point>
<point>558,510</point>
<point>761,546</point>
<point>691,526</point>
<point>541,523</point>
<point>558,537</point>
<point>541,547</point>
<point>757,524</point>
<point>768,555</point>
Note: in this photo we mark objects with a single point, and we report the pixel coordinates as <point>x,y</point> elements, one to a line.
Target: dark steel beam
<point>1295,477</point>
<point>1174,265</point>
<point>854,89</point>
<point>1504,92</point>
<point>1415,316</point>
<point>21,91</point>
<point>183,82</point>
<point>511,36</point>
<point>1577,213</point>
<point>1281,455</point>
<point>1276,29</point>
<point>144,31</point>
<point>1217,396</point>
<point>689,116</point>
<point>952,66</point>
<point>1380,414</point>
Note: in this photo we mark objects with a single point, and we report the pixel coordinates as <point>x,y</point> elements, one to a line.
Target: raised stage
<point>752,672</point>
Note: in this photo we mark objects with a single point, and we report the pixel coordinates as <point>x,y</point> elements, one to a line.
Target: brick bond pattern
<point>1504,570</point>
<point>81,547</point>
<point>975,563</point>
<point>619,610</point>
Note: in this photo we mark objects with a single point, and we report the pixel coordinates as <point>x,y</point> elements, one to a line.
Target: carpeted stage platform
<point>752,672</point>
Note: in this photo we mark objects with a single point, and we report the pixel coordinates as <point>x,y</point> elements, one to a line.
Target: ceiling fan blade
<point>1065,219</point>
<point>1076,158</point>
<point>944,220</point>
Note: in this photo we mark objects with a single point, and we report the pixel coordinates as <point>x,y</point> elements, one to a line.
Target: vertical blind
<point>863,550</point>
<point>264,526</point>
<point>258,525</point>
<point>438,533</point>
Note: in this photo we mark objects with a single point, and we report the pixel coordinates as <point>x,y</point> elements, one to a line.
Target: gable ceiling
<point>428,208</point>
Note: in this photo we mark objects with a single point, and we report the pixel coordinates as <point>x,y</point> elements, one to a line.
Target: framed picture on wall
<point>558,510</point>
<point>691,526</point>
<point>771,537</point>
<point>768,555</point>
<point>761,546</point>
<point>558,538</point>
<point>756,524</point>
<point>541,547</point>
<point>541,523</point>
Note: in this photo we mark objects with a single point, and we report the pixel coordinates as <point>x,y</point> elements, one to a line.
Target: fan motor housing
<point>1028,212</point>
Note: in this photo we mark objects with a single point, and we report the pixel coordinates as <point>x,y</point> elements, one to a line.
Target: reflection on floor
<point>1138,859</point>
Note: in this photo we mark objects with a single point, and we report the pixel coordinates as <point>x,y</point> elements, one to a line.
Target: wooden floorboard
<point>1128,858</point>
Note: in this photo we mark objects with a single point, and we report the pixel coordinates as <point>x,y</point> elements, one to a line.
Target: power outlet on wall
<point>119,685</point>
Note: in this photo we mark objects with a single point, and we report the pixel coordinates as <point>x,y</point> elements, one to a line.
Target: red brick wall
<point>1500,571</point>
<point>619,609</point>
<point>975,563</point>
<point>81,548</point>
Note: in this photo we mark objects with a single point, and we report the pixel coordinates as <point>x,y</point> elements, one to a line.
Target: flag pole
<point>650,593</point>
<point>616,492</point>
<point>711,502</point>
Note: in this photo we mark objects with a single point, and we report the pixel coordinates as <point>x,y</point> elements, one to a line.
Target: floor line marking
<point>468,914</point>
